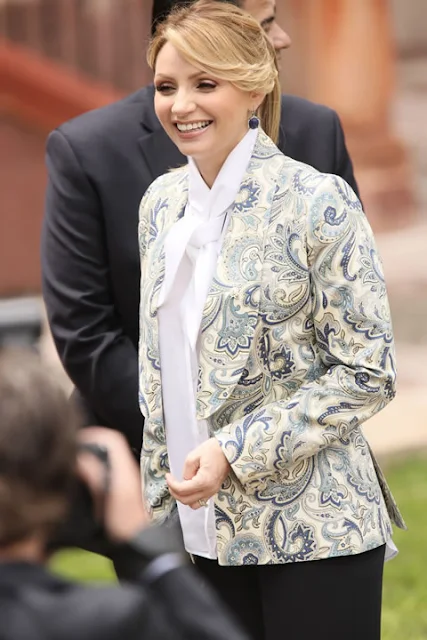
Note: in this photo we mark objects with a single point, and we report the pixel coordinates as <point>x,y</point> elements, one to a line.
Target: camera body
<point>82,528</point>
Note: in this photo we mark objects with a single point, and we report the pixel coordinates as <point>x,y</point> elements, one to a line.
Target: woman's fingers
<point>189,495</point>
<point>199,505</point>
<point>190,499</point>
<point>191,465</point>
<point>185,488</point>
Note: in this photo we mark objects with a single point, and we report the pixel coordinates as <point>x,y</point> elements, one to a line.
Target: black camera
<point>82,527</point>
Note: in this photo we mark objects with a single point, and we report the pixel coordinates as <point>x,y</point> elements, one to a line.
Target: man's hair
<point>222,40</point>
<point>38,429</point>
<point>162,8</point>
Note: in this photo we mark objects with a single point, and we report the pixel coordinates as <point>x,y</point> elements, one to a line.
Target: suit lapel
<point>231,311</point>
<point>158,151</point>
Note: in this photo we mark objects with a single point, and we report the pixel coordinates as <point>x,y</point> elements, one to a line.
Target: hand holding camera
<point>106,507</point>
<point>117,501</point>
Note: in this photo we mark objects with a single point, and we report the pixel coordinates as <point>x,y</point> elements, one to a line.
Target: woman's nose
<point>183,104</point>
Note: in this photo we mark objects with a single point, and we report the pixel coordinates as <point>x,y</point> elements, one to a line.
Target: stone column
<point>346,58</point>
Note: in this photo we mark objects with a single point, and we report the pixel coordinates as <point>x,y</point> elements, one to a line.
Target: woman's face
<point>204,116</point>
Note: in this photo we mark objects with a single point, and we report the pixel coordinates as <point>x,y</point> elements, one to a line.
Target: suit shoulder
<point>107,121</point>
<point>301,109</point>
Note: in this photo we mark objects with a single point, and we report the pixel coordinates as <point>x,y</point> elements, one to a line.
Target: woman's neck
<point>209,171</point>
<point>210,167</point>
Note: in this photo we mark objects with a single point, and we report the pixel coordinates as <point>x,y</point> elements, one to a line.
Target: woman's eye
<point>207,86</point>
<point>164,88</point>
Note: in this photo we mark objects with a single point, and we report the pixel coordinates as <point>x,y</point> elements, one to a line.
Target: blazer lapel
<point>231,312</point>
<point>174,201</point>
<point>166,211</point>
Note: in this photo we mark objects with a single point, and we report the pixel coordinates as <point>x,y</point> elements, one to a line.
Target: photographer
<point>41,449</point>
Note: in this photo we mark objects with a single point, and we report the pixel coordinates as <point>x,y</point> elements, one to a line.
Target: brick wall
<point>22,185</point>
<point>99,44</point>
<point>104,39</point>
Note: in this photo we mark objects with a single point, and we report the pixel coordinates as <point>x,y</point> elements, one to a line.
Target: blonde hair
<point>227,42</point>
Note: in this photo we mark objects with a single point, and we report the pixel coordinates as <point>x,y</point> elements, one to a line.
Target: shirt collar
<point>215,201</point>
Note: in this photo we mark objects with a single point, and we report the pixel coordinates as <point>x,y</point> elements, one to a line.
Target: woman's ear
<point>257,98</point>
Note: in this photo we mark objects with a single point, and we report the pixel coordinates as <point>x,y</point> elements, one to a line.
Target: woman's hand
<point>205,469</point>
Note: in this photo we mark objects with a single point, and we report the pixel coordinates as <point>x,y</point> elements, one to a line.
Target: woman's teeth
<point>193,126</point>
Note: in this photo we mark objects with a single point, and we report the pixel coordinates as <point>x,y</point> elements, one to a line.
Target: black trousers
<point>323,599</point>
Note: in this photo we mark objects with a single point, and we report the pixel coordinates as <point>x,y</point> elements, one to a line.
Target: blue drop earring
<point>253,121</point>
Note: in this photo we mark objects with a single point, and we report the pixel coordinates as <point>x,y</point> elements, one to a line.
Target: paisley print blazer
<point>296,353</point>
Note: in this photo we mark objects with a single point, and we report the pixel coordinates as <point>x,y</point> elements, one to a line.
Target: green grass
<point>405,579</point>
<point>81,565</point>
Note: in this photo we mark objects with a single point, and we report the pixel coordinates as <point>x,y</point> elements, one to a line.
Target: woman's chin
<point>193,147</point>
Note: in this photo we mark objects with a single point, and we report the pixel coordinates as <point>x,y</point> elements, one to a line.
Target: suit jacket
<point>296,352</point>
<point>36,605</point>
<point>100,165</point>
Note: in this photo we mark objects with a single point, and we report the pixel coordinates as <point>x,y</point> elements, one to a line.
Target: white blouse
<point>191,254</point>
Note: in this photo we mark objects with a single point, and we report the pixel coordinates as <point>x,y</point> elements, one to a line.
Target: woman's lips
<point>191,133</point>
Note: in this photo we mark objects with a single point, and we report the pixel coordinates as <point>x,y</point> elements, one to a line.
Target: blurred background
<point>365,58</point>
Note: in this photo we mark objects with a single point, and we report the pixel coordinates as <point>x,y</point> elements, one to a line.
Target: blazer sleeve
<point>353,338</point>
<point>343,163</point>
<point>100,360</point>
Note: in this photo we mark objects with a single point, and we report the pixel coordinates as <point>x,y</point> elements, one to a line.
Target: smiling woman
<point>205,116</point>
<point>265,343</point>
<point>205,93</point>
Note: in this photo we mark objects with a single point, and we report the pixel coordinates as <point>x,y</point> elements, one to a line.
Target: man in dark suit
<point>162,599</point>
<point>100,164</point>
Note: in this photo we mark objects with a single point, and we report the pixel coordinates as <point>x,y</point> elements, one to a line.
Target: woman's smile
<point>205,116</point>
<point>191,130</point>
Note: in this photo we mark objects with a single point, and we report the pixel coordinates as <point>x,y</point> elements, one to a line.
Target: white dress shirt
<point>191,254</point>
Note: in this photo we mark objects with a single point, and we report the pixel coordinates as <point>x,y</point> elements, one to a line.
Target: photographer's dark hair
<point>162,8</point>
<point>38,429</point>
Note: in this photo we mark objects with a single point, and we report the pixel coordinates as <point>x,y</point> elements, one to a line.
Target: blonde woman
<point>265,343</point>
